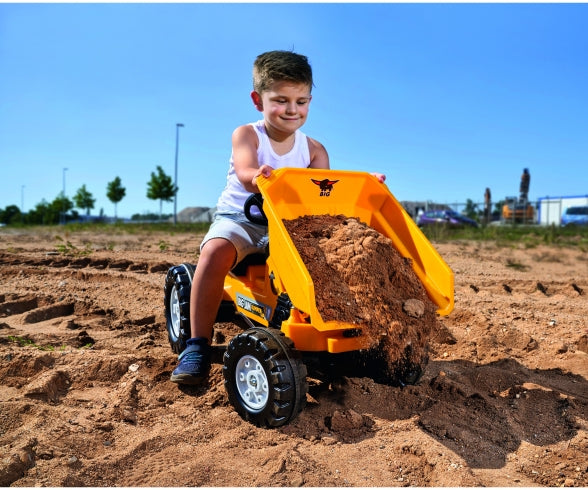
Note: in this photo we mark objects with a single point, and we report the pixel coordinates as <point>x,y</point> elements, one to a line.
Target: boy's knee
<point>218,252</point>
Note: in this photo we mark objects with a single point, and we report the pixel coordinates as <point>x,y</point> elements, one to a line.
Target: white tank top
<point>234,194</point>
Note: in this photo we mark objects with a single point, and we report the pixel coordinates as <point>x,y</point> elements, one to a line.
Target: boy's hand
<point>381,177</point>
<point>264,170</point>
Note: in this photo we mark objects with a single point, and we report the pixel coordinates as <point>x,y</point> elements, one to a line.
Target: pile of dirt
<point>361,279</point>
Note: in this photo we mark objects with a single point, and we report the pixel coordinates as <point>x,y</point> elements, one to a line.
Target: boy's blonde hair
<point>280,66</point>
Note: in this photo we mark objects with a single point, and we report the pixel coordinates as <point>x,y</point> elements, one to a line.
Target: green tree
<point>115,192</point>
<point>161,187</point>
<point>59,207</point>
<point>471,209</point>
<point>45,213</point>
<point>39,215</point>
<point>10,215</point>
<point>84,200</point>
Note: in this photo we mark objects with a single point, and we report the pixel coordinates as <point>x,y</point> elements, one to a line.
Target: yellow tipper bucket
<point>290,193</point>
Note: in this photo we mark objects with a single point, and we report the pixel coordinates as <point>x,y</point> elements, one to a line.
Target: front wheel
<point>176,297</point>
<point>264,377</point>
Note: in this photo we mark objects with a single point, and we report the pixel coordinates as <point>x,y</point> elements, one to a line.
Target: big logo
<point>253,306</point>
<point>325,185</point>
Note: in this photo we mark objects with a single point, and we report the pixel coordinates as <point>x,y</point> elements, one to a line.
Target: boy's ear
<point>256,98</point>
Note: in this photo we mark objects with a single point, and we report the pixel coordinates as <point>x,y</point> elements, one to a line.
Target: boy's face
<point>284,105</point>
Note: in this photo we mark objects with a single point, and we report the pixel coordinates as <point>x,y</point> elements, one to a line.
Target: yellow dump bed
<point>291,193</point>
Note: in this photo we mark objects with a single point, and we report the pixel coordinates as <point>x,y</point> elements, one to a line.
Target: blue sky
<point>445,99</point>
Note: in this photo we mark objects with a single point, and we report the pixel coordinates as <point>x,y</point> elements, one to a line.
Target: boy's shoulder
<point>314,144</point>
<point>319,157</point>
<point>246,126</point>
<point>245,136</point>
<point>244,131</point>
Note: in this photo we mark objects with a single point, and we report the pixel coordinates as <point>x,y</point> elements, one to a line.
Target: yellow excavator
<point>519,210</point>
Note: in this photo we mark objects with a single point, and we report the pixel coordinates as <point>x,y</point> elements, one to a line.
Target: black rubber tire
<point>265,355</point>
<point>407,370</point>
<point>176,298</point>
<point>372,363</point>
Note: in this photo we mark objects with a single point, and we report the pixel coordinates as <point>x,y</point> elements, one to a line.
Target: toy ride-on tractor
<point>264,367</point>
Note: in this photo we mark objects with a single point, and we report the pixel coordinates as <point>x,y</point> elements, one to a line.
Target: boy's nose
<point>291,108</point>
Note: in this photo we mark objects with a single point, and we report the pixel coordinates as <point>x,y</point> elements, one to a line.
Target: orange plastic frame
<point>290,193</point>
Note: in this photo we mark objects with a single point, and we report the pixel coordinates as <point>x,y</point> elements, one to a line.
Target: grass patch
<point>163,245</point>
<point>24,342</point>
<point>118,228</point>
<point>503,235</point>
<point>68,248</point>
<point>529,236</point>
<point>140,228</point>
<point>519,266</point>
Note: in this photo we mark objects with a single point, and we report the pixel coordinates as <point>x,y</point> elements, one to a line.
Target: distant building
<point>195,215</point>
<point>550,209</point>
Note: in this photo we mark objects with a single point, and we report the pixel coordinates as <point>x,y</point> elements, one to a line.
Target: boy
<point>282,84</point>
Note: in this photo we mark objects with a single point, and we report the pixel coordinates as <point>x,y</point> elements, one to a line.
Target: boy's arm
<point>244,142</point>
<point>319,158</point>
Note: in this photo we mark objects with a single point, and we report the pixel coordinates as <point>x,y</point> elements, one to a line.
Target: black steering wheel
<point>255,200</point>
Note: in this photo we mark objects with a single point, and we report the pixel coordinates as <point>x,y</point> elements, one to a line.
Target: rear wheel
<point>265,377</point>
<point>178,284</point>
<point>407,369</point>
<point>373,363</point>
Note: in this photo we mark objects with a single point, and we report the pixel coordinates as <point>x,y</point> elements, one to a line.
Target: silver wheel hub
<point>252,382</point>
<point>175,312</point>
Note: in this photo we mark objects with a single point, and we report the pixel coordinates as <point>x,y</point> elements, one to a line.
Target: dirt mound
<point>85,396</point>
<point>361,279</point>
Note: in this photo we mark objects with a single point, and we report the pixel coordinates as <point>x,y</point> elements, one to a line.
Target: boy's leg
<point>216,259</point>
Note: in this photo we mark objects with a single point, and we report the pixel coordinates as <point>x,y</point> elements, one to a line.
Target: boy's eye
<point>285,101</point>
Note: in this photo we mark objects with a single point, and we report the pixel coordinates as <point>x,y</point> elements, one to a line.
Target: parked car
<point>575,215</point>
<point>445,217</point>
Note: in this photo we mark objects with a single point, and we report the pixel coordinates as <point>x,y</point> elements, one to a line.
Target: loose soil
<point>85,396</point>
<point>361,279</point>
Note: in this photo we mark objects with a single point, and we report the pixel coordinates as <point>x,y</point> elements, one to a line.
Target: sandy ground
<point>85,396</point>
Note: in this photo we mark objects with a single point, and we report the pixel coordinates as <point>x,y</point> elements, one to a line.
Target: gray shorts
<point>247,237</point>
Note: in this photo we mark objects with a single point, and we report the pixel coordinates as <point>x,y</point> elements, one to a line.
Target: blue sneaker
<point>194,363</point>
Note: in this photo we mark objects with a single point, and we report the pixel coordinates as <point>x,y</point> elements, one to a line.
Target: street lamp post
<point>63,197</point>
<point>22,203</point>
<point>178,126</point>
